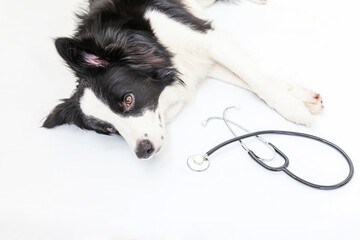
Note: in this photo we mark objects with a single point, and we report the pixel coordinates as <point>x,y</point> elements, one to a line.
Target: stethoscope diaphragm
<point>198,162</point>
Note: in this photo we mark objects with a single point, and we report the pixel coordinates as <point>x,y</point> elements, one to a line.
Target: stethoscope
<point>200,163</point>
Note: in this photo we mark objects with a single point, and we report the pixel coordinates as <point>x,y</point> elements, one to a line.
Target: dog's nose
<point>144,149</point>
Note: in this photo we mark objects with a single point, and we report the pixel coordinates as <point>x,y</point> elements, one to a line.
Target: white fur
<point>200,55</point>
<point>258,1</point>
<point>191,57</point>
<point>171,101</point>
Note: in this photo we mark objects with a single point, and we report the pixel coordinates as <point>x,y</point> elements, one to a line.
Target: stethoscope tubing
<point>284,168</point>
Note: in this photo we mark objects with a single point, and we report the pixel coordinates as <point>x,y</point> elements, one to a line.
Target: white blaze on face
<point>134,129</point>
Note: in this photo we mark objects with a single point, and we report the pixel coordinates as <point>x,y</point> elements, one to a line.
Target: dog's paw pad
<point>315,103</point>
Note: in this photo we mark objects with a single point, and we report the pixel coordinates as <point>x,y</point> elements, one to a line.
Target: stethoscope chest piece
<point>198,162</point>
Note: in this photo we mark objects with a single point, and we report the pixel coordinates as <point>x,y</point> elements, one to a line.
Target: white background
<point>72,184</point>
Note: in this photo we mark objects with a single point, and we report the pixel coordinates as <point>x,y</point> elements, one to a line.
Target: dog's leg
<point>287,102</point>
<point>221,73</point>
<point>206,3</point>
<point>311,99</point>
<point>258,1</point>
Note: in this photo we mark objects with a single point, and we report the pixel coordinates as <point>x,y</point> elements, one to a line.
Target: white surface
<point>71,184</point>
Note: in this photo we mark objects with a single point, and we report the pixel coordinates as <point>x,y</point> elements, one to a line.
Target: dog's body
<point>139,61</point>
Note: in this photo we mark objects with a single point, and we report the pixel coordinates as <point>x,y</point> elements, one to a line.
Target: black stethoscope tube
<point>285,165</point>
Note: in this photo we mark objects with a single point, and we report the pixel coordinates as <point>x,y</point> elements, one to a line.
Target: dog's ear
<point>79,59</point>
<point>68,112</point>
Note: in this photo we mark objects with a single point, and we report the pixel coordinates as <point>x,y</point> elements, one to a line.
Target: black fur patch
<point>114,52</point>
<point>177,10</point>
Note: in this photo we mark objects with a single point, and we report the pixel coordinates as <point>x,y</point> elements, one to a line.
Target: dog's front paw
<point>313,101</point>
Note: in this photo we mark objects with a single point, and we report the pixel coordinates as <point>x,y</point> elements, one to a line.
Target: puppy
<point>137,62</point>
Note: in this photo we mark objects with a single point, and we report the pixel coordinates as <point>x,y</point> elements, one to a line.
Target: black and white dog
<point>138,61</point>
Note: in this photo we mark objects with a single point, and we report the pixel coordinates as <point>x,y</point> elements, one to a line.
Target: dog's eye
<point>128,101</point>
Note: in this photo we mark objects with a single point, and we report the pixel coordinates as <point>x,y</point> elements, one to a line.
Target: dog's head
<point>122,72</point>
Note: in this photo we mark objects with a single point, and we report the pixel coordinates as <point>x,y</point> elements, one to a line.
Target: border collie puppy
<point>138,61</point>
